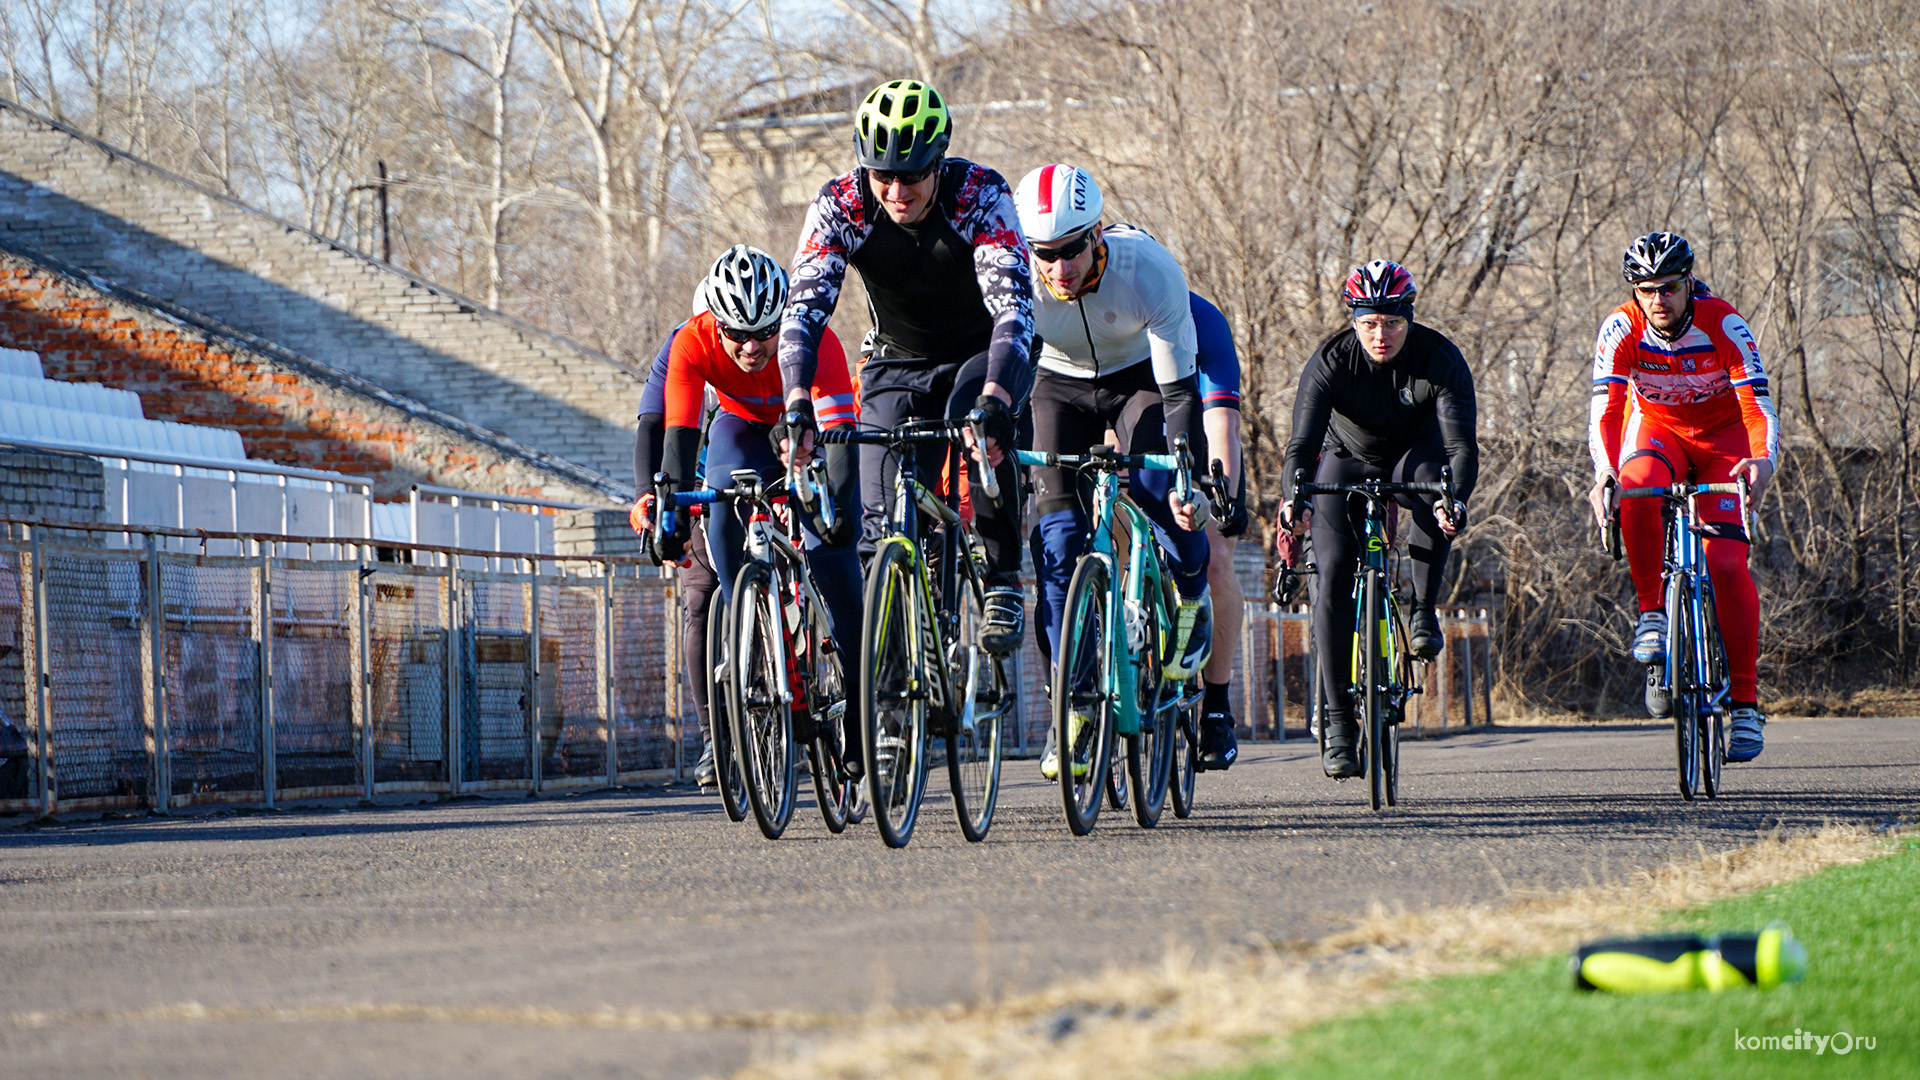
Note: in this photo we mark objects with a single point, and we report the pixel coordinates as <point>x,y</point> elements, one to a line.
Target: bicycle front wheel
<point>986,695</point>
<point>1713,696</point>
<point>1682,683</point>
<point>733,787</point>
<point>1372,664</point>
<point>894,676</point>
<point>762,713</point>
<point>1082,694</point>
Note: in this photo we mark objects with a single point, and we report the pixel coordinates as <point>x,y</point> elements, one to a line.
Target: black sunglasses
<point>1665,288</point>
<point>885,178</point>
<point>1064,251</point>
<point>743,336</point>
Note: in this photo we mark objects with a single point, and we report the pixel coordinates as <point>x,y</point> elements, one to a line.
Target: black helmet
<point>1657,254</point>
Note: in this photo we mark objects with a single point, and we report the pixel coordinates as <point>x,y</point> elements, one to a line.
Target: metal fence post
<point>456,735</point>
<point>535,721</point>
<point>361,644</point>
<point>263,667</point>
<point>603,661</point>
<point>41,676</point>
<point>153,666</point>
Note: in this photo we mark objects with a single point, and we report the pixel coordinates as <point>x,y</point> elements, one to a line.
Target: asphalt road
<point>638,933</point>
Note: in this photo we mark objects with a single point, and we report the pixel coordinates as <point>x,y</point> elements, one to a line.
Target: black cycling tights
<point>1337,529</point>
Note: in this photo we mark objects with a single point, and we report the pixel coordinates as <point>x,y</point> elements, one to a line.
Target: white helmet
<point>1056,201</point>
<point>746,289</point>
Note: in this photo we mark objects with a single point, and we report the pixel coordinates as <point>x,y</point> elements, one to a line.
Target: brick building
<point>118,272</point>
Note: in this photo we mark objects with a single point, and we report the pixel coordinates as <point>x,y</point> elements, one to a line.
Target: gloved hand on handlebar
<point>795,433</point>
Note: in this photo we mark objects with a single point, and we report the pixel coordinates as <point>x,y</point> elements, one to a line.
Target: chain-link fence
<point>141,674</point>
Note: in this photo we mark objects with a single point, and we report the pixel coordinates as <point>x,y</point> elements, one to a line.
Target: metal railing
<point>148,677</point>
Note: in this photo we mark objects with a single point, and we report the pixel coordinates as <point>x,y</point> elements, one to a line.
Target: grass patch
<point>1861,926</point>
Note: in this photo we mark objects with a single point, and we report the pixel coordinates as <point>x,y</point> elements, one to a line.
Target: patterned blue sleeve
<point>1219,365</point>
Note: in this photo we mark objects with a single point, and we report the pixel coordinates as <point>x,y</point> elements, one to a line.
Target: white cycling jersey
<point>1138,310</point>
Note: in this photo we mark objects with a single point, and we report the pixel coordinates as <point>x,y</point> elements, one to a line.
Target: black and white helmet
<point>1657,254</point>
<point>746,289</point>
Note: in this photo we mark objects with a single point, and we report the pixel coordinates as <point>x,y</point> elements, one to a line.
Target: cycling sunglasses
<point>1064,251</point>
<point>744,336</point>
<point>1665,288</point>
<point>885,178</point>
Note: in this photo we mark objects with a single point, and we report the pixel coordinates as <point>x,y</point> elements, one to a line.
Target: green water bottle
<point>1658,965</point>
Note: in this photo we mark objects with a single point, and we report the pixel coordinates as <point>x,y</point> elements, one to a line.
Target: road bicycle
<point>1109,667</point>
<point>922,670</point>
<point>1383,668</point>
<point>772,658</point>
<point>1693,672</point>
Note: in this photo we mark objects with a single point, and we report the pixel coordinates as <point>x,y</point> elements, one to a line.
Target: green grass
<point>1861,926</point>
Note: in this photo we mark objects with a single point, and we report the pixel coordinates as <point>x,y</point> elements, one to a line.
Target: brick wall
<point>81,203</point>
<point>285,411</point>
<point>50,486</point>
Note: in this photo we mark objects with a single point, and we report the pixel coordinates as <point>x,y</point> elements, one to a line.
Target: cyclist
<point>1219,370</point>
<point>1397,398</point>
<point>730,348</point>
<point>1113,311</point>
<point>1698,405</point>
<point>936,244</point>
<point>697,582</point>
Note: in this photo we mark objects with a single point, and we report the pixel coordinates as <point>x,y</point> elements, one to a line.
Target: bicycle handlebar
<point>913,431</point>
<point>1374,489</point>
<point>1098,459</point>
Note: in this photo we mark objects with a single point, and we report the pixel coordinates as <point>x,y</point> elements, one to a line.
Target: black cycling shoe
<point>705,773</point>
<point>1659,698</point>
<point>1424,638</point>
<point>1003,619</point>
<point>1218,747</point>
<point>1339,759</point>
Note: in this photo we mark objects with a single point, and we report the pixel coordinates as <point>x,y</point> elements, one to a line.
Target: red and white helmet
<point>1380,284</point>
<point>1056,201</point>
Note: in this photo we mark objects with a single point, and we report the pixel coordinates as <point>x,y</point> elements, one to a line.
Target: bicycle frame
<point>1698,696</point>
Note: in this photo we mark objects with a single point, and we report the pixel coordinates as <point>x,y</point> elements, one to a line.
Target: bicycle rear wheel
<point>1681,684</point>
<point>1713,697</point>
<point>733,786</point>
<point>762,712</point>
<point>1186,758</point>
<point>827,708</point>
<point>986,696</point>
<point>1373,673</point>
<point>1150,750</point>
<point>894,674</point>
<point>1082,700</point>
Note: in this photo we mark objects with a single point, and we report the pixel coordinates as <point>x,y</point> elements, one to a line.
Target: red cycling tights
<point>1653,456</point>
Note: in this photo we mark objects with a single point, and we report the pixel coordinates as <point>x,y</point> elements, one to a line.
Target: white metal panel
<point>433,523</point>
<point>207,503</point>
<point>391,521</point>
<point>76,396</point>
<point>261,505</point>
<point>22,363</point>
<point>520,531</point>
<point>308,511</point>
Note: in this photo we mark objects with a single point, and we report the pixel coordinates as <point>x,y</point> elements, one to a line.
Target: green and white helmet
<point>903,126</point>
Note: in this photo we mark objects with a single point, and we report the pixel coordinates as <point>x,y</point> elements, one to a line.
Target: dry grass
<point>1182,1016</point>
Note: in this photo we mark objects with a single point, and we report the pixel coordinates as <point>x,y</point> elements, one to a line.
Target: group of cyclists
<point>1027,314</point>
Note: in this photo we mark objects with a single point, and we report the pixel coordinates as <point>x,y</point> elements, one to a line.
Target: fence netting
<point>257,661</point>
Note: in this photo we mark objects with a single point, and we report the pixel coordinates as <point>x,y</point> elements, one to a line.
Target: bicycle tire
<point>827,705</point>
<point>1400,665</point>
<point>1373,674</point>
<point>726,765</point>
<point>1186,756</point>
<point>1680,680</point>
<point>1084,657</point>
<point>1712,730</point>
<point>762,715</point>
<point>984,687</point>
<point>894,671</point>
<point>1150,750</point>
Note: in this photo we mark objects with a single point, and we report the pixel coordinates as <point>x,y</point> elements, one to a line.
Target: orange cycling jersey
<point>1707,379</point>
<point>698,360</point>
